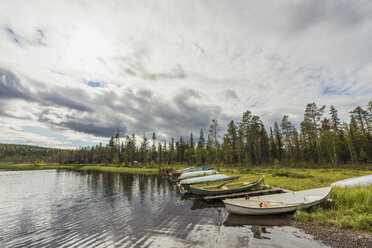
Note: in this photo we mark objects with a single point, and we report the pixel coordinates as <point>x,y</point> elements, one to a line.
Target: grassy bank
<point>350,208</point>
<point>121,169</point>
<point>111,168</point>
<point>6,166</point>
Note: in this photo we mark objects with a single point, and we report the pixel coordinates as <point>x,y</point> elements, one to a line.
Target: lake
<point>60,208</point>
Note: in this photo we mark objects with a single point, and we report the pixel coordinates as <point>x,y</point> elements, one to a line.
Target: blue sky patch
<point>13,35</point>
<point>329,91</point>
<point>94,84</point>
<point>332,91</point>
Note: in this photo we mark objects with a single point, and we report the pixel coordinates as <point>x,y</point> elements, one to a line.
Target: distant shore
<point>106,168</point>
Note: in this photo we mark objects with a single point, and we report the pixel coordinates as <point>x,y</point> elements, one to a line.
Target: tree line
<point>321,139</point>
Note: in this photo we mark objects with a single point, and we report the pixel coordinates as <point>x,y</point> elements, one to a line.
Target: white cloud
<point>162,63</point>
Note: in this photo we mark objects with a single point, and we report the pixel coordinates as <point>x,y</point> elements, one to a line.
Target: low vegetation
<point>348,208</point>
<point>110,168</point>
<point>10,166</point>
<point>121,169</point>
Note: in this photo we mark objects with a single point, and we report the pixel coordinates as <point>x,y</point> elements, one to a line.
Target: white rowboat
<point>277,203</point>
<point>206,179</point>
<point>354,181</point>
<point>201,173</point>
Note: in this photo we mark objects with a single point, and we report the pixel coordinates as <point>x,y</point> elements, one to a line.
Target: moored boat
<point>202,173</point>
<point>211,178</point>
<point>229,187</point>
<point>178,173</point>
<point>354,181</point>
<point>277,203</point>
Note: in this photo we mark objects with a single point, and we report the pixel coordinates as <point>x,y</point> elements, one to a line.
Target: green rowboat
<point>217,188</point>
<point>186,183</point>
<point>197,174</point>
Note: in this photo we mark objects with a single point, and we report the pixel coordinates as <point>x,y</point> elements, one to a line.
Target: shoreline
<point>79,167</point>
<point>335,237</point>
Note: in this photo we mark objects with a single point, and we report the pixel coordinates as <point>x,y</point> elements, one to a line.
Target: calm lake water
<point>58,208</point>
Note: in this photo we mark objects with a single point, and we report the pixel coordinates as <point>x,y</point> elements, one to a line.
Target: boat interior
<point>232,185</point>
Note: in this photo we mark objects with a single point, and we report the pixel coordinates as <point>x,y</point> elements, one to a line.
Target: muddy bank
<point>337,238</point>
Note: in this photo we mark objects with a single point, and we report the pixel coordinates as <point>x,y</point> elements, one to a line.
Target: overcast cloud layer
<point>73,72</point>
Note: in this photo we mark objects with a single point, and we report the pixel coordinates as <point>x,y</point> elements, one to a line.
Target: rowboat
<point>212,178</point>
<point>354,181</point>
<point>217,188</point>
<point>277,203</point>
<point>257,220</point>
<point>202,173</point>
<point>178,173</point>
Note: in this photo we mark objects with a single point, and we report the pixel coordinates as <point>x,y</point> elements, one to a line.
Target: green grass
<point>350,207</point>
<point>121,169</point>
<point>111,168</point>
<point>5,166</point>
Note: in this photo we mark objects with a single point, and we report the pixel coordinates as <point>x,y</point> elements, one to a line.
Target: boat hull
<point>202,173</point>
<point>205,192</point>
<point>186,186</point>
<point>178,173</point>
<point>233,206</point>
<point>354,181</point>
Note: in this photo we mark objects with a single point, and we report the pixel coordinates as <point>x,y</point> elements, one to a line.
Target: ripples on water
<point>58,208</point>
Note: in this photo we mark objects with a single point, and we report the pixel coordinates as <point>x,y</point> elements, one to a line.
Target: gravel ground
<point>337,238</point>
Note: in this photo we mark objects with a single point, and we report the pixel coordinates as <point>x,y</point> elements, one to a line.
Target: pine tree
<point>144,149</point>
<point>192,145</point>
<point>287,132</point>
<point>200,149</point>
<point>232,138</point>
<point>264,143</point>
<point>335,122</point>
<point>273,151</point>
<point>153,147</point>
<point>312,118</point>
<point>360,115</point>
<point>369,117</point>
<point>159,155</point>
<point>297,148</point>
<point>213,131</point>
<point>244,126</point>
<point>278,141</point>
<point>240,146</point>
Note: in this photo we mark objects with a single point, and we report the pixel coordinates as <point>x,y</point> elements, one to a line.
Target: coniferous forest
<point>321,139</point>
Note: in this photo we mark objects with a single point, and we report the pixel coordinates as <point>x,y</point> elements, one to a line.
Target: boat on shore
<point>186,183</point>
<point>277,203</point>
<point>178,173</point>
<point>354,181</point>
<point>201,173</point>
<point>228,187</point>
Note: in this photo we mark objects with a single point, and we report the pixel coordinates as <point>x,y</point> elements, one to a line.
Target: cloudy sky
<point>73,72</point>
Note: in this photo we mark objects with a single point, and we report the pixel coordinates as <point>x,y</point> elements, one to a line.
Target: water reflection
<point>95,209</point>
<point>263,220</point>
